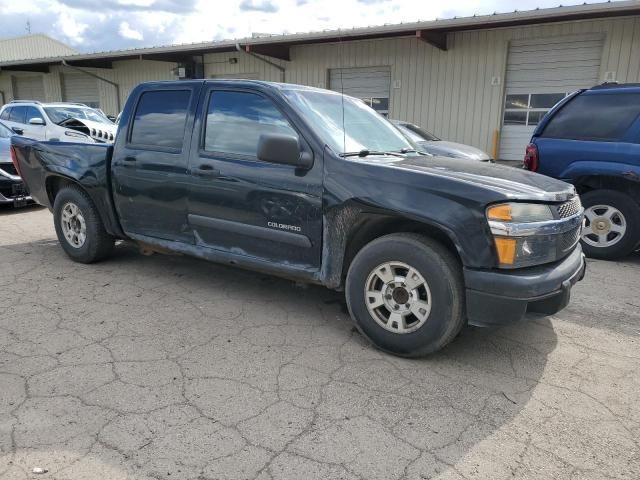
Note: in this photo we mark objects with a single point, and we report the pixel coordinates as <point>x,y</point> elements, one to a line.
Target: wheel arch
<point>349,229</point>
<point>627,184</point>
<point>56,182</point>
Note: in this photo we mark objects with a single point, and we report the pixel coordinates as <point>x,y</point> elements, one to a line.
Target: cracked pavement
<point>167,367</point>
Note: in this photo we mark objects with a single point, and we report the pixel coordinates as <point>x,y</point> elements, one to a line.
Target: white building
<point>482,80</point>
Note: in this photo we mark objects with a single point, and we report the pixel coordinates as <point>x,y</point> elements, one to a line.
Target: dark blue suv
<point>592,140</point>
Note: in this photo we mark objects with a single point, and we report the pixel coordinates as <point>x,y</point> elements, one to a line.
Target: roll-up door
<point>28,88</point>
<point>371,84</point>
<point>80,88</point>
<point>540,72</point>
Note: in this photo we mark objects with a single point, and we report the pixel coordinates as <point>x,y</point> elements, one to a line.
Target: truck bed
<point>43,164</point>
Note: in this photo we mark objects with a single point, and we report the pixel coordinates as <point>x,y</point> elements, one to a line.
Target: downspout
<point>91,74</point>
<point>2,97</point>
<point>268,62</point>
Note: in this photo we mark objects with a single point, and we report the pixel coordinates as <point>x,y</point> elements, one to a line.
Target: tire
<point>74,207</point>
<point>442,294</point>
<point>612,224</point>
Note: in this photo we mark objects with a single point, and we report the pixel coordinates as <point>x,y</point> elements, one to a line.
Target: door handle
<point>206,170</point>
<point>129,159</point>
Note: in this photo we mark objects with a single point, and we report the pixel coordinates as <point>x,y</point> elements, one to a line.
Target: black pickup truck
<point>315,186</point>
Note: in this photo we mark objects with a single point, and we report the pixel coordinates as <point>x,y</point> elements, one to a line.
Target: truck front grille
<point>570,208</point>
<point>568,240</point>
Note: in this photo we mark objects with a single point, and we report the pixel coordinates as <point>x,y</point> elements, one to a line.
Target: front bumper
<point>13,192</point>
<point>501,297</point>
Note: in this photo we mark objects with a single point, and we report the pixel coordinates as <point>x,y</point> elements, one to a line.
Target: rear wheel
<point>406,294</point>
<point>612,224</point>
<point>79,228</point>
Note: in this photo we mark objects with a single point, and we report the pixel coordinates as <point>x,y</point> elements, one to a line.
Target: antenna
<point>341,63</point>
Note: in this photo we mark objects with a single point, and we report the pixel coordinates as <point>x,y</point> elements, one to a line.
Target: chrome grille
<point>570,208</point>
<point>568,240</point>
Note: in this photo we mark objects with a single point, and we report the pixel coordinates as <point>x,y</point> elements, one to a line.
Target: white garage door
<point>77,87</point>
<point>371,84</point>
<point>28,88</point>
<point>541,72</point>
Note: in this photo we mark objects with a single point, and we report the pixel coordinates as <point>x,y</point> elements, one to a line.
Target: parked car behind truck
<point>307,184</point>
<point>58,121</point>
<point>592,140</point>
<point>11,185</point>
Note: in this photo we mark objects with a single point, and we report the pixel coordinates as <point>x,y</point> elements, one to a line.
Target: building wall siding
<point>32,46</point>
<point>449,92</point>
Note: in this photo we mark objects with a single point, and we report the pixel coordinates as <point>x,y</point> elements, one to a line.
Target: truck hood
<point>512,182</point>
<point>453,149</point>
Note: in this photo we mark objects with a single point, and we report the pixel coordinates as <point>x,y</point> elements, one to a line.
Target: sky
<point>99,25</point>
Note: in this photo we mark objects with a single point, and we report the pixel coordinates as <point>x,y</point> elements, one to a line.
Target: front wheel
<point>79,227</point>
<point>406,294</point>
<point>612,224</point>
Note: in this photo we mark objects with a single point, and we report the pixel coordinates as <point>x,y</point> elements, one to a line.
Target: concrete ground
<point>171,368</point>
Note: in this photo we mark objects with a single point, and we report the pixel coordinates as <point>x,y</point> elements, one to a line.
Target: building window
<point>528,109</point>
<point>379,104</point>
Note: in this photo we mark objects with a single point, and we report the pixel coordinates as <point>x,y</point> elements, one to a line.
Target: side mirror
<point>36,121</point>
<point>285,149</point>
<point>17,130</point>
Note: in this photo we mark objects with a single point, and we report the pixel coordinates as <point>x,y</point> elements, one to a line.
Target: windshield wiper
<point>366,153</point>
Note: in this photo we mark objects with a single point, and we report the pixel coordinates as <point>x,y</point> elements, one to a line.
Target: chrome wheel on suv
<point>612,224</point>
<point>604,226</point>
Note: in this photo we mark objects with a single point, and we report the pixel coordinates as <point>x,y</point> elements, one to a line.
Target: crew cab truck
<point>315,186</point>
<point>592,140</point>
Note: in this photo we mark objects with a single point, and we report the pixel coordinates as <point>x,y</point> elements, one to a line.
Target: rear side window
<point>5,114</point>
<point>18,114</point>
<point>595,117</point>
<point>160,119</point>
<point>235,121</point>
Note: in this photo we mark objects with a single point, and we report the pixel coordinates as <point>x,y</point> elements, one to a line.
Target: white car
<point>63,122</point>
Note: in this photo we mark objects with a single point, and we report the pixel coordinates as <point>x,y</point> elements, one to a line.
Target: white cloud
<point>70,27</point>
<point>127,32</point>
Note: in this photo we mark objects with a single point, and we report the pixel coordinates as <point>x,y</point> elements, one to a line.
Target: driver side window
<point>235,121</point>
<point>33,112</point>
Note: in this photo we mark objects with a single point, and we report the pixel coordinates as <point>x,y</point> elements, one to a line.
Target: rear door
<point>240,204</point>
<point>150,172</point>
<point>19,116</point>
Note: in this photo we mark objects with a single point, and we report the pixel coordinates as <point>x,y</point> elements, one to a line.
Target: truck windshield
<point>364,129</point>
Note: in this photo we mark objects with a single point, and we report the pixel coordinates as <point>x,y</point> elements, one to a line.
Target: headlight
<point>527,234</point>
<point>520,212</point>
<point>79,135</point>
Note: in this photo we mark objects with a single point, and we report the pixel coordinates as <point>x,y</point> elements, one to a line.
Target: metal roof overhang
<point>278,46</point>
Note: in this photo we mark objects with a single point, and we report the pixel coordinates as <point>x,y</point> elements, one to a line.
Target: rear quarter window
<point>160,119</point>
<point>600,117</point>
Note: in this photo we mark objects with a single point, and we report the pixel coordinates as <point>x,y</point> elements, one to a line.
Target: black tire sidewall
<point>447,297</point>
<point>631,211</point>
<point>91,249</point>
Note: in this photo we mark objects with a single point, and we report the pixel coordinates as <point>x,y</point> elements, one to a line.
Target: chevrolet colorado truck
<point>315,186</point>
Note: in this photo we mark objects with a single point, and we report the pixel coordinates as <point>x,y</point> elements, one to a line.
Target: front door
<point>245,206</point>
<point>149,165</point>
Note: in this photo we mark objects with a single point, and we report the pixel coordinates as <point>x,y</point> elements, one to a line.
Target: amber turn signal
<point>500,212</point>
<point>506,248</point>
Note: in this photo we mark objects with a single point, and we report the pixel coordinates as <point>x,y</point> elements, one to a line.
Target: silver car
<point>429,143</point>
